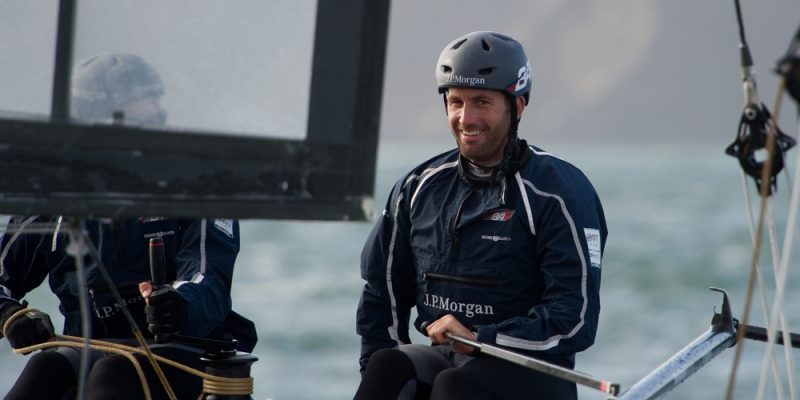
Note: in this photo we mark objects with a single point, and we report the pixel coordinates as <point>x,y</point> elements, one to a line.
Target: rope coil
<point>212,384</point>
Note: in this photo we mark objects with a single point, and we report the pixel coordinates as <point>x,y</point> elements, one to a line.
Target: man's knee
<point>388,374</point>
<point>113,377</point>
<point>47,374</point>
<point>452,383</point>
<point>110,366</point>
<point>392,360</point>
<point>49,361</point>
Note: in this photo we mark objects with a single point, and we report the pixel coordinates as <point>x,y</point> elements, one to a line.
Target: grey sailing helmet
<point>105,83</point>
<point>485,60</point>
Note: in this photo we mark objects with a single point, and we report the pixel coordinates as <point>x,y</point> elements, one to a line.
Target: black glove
<point>28,329</point>
<point>165,311</point>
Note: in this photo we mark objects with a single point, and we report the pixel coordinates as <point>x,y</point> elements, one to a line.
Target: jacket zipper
<point>458,279</point>
<point>457,219</point>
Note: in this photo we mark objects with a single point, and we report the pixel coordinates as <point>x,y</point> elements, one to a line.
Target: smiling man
<point>496,241</point>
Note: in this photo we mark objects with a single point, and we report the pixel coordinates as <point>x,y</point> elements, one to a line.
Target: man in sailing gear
<point>200,257</point>
<point>496,241</point>
<point>199,261</point>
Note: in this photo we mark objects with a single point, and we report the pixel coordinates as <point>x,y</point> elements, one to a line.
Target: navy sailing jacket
<point>199,253</point>
<point>518,262</point>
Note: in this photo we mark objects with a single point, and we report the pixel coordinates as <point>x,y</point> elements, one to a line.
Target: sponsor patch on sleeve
<point>593,244</point>
<point>225,225</point>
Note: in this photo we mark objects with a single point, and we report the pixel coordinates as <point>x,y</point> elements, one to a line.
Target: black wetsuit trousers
<point>50,375</point>
<point>391,373</point>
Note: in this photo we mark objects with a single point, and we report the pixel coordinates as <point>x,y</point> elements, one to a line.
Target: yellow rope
<point>212,384</point>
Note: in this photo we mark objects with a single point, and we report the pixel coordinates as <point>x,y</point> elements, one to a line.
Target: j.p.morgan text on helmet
<point>466,80</point>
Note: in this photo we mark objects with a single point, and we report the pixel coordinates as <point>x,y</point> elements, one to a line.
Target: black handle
<point>157,262</point>
<point>158,268</point>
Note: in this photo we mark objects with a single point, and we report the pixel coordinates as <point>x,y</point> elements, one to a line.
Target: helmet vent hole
<point>485,45</point>
<point>458,44</point>
<point>485,71</point>
<point>446,69</point>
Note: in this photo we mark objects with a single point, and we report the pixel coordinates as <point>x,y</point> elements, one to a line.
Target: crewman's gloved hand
<point>166,311</point>
<point>32,327</point>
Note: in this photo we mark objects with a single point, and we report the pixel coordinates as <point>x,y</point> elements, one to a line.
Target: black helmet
<point>105,83</point>
<point>485,60</point>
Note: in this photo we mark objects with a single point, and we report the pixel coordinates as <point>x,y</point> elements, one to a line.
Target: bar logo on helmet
<point>465,80</point>
<point>524,76</point>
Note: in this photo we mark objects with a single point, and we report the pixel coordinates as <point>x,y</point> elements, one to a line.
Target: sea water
<point>678,224</point>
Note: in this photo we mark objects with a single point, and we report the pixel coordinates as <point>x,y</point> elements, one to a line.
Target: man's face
<point>479,120</point>
<point>146,112</point>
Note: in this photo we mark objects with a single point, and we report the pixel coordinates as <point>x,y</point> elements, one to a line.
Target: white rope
<point>777,305</point>
<point>759,277</point>
<point>13,238</point>
<point>769,355</point>
<point>769,361</point>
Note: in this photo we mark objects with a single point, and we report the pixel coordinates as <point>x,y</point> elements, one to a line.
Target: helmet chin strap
<point>506,164</point>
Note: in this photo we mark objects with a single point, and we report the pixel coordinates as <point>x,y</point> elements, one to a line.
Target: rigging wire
<point>759,275</point>
<point>781,278</point>
<point>756,255</point>
<point>779,263</point>
<point>757,126</point>
<point>770,361</point>
<point>77,249</point>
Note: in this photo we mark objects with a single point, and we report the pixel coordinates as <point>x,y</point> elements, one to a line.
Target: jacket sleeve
<point>389,293</point>
<point>570,236</point>
<point>25,259</point>
<point>204,273</point>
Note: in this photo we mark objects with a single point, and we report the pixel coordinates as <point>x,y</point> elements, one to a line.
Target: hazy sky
<point>603,71</point>
<point>615,70</point>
